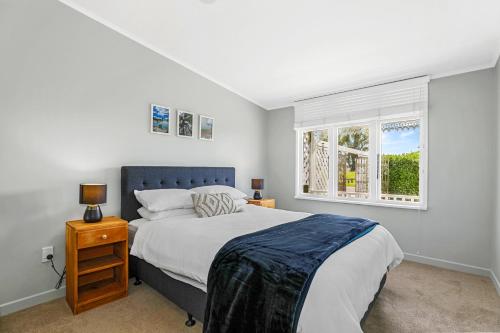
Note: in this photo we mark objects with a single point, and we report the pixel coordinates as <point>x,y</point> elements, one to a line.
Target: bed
<point>174,257</point>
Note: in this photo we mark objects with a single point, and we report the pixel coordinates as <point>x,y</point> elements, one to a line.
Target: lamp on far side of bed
<point>92,195</point>
<point>257,185</point>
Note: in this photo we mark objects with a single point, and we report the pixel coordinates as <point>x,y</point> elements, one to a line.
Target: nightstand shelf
<point>96,262</point>
<point>99,264</point>
<point>98,290</point>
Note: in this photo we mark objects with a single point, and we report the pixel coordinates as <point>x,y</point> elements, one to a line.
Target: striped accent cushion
<point>213,204</point>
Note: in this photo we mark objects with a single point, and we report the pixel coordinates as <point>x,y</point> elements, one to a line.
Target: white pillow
<point>211,189</point>
<point>164,199</point>
<point>165,214</point>
<point>240,202</point>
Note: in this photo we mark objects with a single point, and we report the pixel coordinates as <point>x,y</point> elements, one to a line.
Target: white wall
<point>74,107</point>
<point>462,173</point>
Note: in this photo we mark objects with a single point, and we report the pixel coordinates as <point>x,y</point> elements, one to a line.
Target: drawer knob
<point>104,236</point>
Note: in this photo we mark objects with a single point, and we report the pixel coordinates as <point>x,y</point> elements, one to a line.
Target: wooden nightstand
<point>269,203</point>
<point>96,262</point>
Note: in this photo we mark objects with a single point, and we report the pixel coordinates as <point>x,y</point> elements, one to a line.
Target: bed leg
<point>137,281</point>
<point>190,322</point>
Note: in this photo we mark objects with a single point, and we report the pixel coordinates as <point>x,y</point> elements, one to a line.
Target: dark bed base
<point>190,299</point>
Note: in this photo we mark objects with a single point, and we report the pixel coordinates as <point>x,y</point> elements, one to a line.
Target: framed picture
<point>160,119</point>
<point>185,121</point>
<point>206,128</point>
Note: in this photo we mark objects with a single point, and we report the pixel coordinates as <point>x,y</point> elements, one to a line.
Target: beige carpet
<point>417,298</point>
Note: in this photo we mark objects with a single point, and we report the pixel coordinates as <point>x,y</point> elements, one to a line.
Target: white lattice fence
<point>306,144</point>
<point>319,167</point>
<point>362,174</point>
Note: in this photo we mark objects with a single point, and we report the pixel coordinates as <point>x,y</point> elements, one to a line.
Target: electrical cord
<point>61,279</point>
<point>61,276</point>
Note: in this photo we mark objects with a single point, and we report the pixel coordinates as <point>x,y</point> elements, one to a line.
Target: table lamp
<point>92,195</point>
<point>257,185</point>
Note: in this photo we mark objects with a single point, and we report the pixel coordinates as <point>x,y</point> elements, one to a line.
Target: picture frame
<point>160,119</point>
<point>185,124</point>
<point>206,128</point>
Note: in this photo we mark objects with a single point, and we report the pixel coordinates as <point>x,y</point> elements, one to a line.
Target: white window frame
<point>375,150</point>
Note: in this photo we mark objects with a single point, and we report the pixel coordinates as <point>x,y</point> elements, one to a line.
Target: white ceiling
<point>273,52</point>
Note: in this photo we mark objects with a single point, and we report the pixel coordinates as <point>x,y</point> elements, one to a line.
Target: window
<point>376,162</point>
<point>367,147</point>
<point>400,161</point>
<point>315,163</point>
<point>353,145</point>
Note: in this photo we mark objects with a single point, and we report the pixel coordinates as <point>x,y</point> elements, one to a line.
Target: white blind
<point>400,97</point>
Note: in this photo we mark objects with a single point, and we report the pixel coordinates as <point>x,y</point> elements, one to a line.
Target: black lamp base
<point>92,214</point>
<point>257,195</point>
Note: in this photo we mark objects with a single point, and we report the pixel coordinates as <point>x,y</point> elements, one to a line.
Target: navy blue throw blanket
<point>258,282</point>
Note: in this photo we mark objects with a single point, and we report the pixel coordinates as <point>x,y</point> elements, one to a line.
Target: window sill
<point>360,202</point>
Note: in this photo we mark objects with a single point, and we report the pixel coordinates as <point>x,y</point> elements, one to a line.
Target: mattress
<point>132,229</point>
<point>339,295</point>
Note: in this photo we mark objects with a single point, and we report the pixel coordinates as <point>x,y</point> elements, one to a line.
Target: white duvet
<point>341,290</point>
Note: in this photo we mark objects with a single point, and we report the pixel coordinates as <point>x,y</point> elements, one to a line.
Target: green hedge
<point>402,173</point>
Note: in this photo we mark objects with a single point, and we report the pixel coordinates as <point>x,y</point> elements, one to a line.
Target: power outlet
<point>46,251</point>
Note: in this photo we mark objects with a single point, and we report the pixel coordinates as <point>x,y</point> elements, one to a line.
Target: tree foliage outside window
<point>355,137</point>
<point>400,174</point>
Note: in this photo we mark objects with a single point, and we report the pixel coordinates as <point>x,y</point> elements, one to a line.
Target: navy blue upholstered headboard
<point>157,177</point>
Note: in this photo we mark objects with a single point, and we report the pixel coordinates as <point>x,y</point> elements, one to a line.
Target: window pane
<point>315,175</point>
<point>352,151</point>
<point>399,165</point>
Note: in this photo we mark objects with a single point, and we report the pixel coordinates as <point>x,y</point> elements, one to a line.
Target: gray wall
<point>74,106</point>
<point>457,225</point>
<point>74,99</point>
<point>496,227</point>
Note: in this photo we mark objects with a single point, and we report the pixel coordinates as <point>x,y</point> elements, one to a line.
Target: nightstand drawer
<point>101,236</point>
<point>269,203</point>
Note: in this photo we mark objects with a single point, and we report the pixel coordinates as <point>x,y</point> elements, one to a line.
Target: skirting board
<point>27,302</point>
<point>496,282</point>
<point>455,266</point>
<point>50,295</point>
